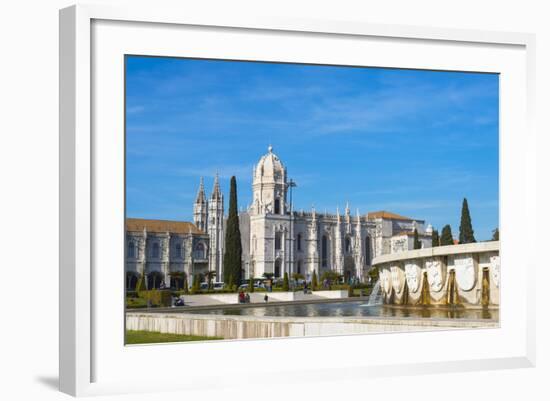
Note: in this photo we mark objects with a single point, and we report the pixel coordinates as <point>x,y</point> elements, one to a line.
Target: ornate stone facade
<point>160,251</point>
<point>284,240</point>
<point>275,238</point>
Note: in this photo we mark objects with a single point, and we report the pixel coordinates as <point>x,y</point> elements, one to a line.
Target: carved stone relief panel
<point>436,274</point>
<point>413,275</point>
<point>396,278</point>
<point>465,272</point>
<point>495,269</point>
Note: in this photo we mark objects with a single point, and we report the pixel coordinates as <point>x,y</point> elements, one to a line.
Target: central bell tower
<point>270,221</point>
<point>269,185</point>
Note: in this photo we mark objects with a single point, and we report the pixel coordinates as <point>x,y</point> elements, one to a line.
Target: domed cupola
<point>269,185</point>
<point>269,168</point>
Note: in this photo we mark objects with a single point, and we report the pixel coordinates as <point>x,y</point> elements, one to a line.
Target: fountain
<point>375,297</point>
<point>452,290</point>
<point>405,296</point>
<point>391,299</point>
<point>485,288</point>
<point>425,293</point>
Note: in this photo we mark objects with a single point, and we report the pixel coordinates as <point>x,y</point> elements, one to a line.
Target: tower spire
<point>200,193</point>
<point>200,212</point>
<point>216,193</point>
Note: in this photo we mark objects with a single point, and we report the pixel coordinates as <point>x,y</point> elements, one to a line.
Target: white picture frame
<point>88,359</point>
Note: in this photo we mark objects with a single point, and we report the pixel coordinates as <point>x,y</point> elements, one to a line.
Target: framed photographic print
<point>235,188</point>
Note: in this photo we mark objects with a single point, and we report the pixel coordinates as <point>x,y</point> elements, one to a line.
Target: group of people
<point>244,298</point>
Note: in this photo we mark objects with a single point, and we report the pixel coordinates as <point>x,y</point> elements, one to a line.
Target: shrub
<point>157,297</point>
<point>134,302</point>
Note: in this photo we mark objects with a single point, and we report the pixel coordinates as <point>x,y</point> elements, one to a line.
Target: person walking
<point>265,298</point>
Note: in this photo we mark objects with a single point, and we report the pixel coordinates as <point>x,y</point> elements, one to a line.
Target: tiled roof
<point>162,226</point>
<point>387,215</point>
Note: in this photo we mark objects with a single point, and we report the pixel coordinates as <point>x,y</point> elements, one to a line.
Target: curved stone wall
<point>476,275</point>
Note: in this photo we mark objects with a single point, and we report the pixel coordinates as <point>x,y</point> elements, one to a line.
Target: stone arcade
<point>275,238</point>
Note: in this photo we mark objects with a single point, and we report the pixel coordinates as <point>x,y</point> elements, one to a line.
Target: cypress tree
<point>416,241</point>
<point>250,284</point>
<point>466,233</point>
<point>435,238</point>
<point>285,282</point>
<point>314,282</point>
<point>233,248</point>
<point>496,235</point>
<point>446,236</point>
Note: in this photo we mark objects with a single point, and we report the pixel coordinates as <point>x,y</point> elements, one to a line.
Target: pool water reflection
<point>352,309</point>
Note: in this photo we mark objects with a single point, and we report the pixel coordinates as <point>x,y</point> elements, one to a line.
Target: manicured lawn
<point>148,337</point>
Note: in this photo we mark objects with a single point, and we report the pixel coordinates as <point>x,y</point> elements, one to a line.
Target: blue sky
<point>411,142</point>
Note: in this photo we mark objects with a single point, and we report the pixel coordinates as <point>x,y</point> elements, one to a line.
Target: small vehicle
<point>218,286</point>
<point>204,286</point>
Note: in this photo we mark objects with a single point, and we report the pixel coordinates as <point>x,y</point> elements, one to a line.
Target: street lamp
<point>291,184</point>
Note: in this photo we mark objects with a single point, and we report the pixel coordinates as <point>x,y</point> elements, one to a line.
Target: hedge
<point>157,297</point>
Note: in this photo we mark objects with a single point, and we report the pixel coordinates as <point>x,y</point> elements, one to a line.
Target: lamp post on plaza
<point>291,184</point>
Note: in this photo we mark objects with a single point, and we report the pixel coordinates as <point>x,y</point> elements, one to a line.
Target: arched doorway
<point>349,268</point>
<point>277,270</point>
<point>131,281</point>
<point>154,280</point>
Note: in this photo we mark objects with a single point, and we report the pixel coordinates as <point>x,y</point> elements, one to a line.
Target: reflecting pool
<point>351,309</point>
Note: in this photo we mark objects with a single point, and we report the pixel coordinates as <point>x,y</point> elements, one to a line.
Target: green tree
<point>435,238</point>
<point>140,286</point>
<point>496,235</point>
<point>233,248</point>
<point>416,241</point>
<point>178,279</point>
<point>314,283</point>
<point>286,286</point>
<point>185,285</point>
<point>250,284</point>
<point>196,287</point>
<point>446,236</point>
<point>466,232</point>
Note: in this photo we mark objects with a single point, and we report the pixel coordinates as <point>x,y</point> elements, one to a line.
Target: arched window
<point>131,249</point>
<point>178,251</point>
<point>348,245</point>
<point>156,250</point>
<point>278,241</point>
<point>200,251</point>
<point>277,206</point>
<point>299,242</point>
<point>324,251</point>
